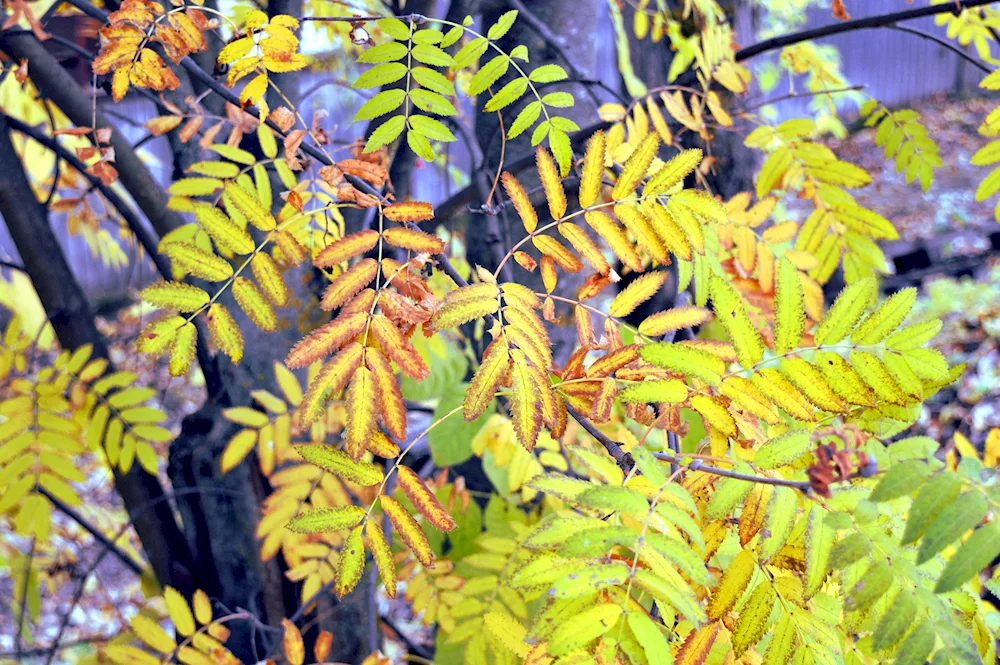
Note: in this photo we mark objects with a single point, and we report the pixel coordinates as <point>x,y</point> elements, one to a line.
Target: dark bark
<point>71,317</point>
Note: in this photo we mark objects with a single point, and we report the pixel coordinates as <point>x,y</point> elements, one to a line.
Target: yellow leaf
<point>583,244</point>
<point>685,360</point>
<point>639,291</point>
<point>753,618</point>
<point>351,564</point>
<point>202,607</point>
<point>346,248</point>
<point>424,500</point>
<point>382,554</point>
<point>327,339</point>
<point>640,227</point>
<point>248,205</point>
<point>179,611</point>
<point>253,303</point>
<point>845,312</point>
<point>268,275</point>
<point>398,348</point>
<point>524,403</point>
<point>226,233</point>
<point>676,239</point>
<point>551,182</point>
<point>583,628</point>
<point>593,170</point>
<point>673,172</point>
<point>558,252</point>
<point>521,200</point>
<point>494,371</point>
<point>635,168</point>
<point>409,211</point>
<point>613,234</point>
<point>340,464</point>
<point>734,582</point>
<point>715,414</point>
<point>151,634</point>
<point>225,332</point>
<point>754,512</point>
<point>190,259</point>
<point>467,304</point>
<point>182,350</point>
<point>811,383</point>
<point>508,630</point>
<point>158,335</point>
<point>884,320</point>
<point>175,295</point>
<point>672,319</point>
<point>408,530</point>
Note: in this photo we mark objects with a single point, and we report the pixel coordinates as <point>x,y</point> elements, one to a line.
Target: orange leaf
<point>361,413</point>
<point>390,397</point>
<point>409,211</point>
<point>699,642</point>
<point>346,248</point>
<point>409,530</point>
<point>329,382</point>
<point>327,338</point>
<point>398,348</point>
<point>348,284</point>
<point>295,651</point>
<point>424,500</point>
<point>413,240</point>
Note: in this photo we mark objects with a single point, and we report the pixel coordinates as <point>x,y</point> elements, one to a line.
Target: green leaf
<point>560,100</point>
<point>588,579</point>
<point>783,449</point>
<point>420,145</point>
<point>426,100</point>
<point>561,147</point>
<point>819,542</point>
<point>340,464</point>
<point>873,584</point>
<point>849,550</point>
<point>427,36</point>
<point>433,80</point>
<point>469,53</point>
<point>933,497</point>
<point>972,557</point>
<point>503,24</point>
<point>781,512</point>
<point>650,637</point>
<point>896,621</point>
<point>334,518</point>
<point>387,52</point>
<point>961,515</point>
<point>431,128</point>
<point>900,480</point>
<point>917,648</point>
<point>380,75</point>
<point>728,493</point>
<point>547,74</point>
<point>845,312</point>
<point>451,441</point>
<point>387,132</point>
<point>915,336</point>
<point>431,55</point>
<point>655,392</point>
<point>507,95</point>
<point>452,36</point>
<point>488,74</point>
<point>394,28</point>
<point>610,498</point>
<point>382,103</point>
<point>525,119</point>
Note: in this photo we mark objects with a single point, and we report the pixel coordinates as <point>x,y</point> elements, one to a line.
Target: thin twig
<point>975,62</point>
<point>70,512</point>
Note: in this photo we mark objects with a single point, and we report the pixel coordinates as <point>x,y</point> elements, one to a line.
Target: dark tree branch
<point>71,512</point>
<point>867,22</point>
<point>73,322</point>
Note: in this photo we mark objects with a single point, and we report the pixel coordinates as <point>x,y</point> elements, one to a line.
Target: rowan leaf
<point>179,611</point>
<point>175,295</point>
<point>676,318</point>
<point>583,628</point>
<point>884,320</point>
<point>350,564</point>
<point>330,380</point>
<point>938,493</point>
<point>655,391</point>
<point>635,168</point>
<point>226,234</point>
<point>347,285</point>
<point>340,464</point>
<point>346,248</point>
<point>248,205</point>
<point>641,289</point>
<point>494,371</point>
<point>789,305</point>
<point>324,520</point>
<point>845,312</point>
<point>592,173</point>
<point>183,349</point>
<point>697,645</point>
<point>782,450</point>
<point>424,500</point>
<point>551,182</point>
<point>685,360</point>
<point>254,304</point>
<point>974,556</point>
<point>291,642</point>
<point>613,234</point>
<point>393,411</point>
<point>408,530</point>
<point>963,514</point>
<point>753,618</point>
<point>382,554</point>
<point>673,172</point>
<point>731,313</point>
<point>467,304</point>
<point>413,240</point>
<point>524,405</point>
<point>732,585</point>
<point>360,405</point>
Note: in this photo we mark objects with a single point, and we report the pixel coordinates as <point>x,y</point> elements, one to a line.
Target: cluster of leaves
<point>904,139</point>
